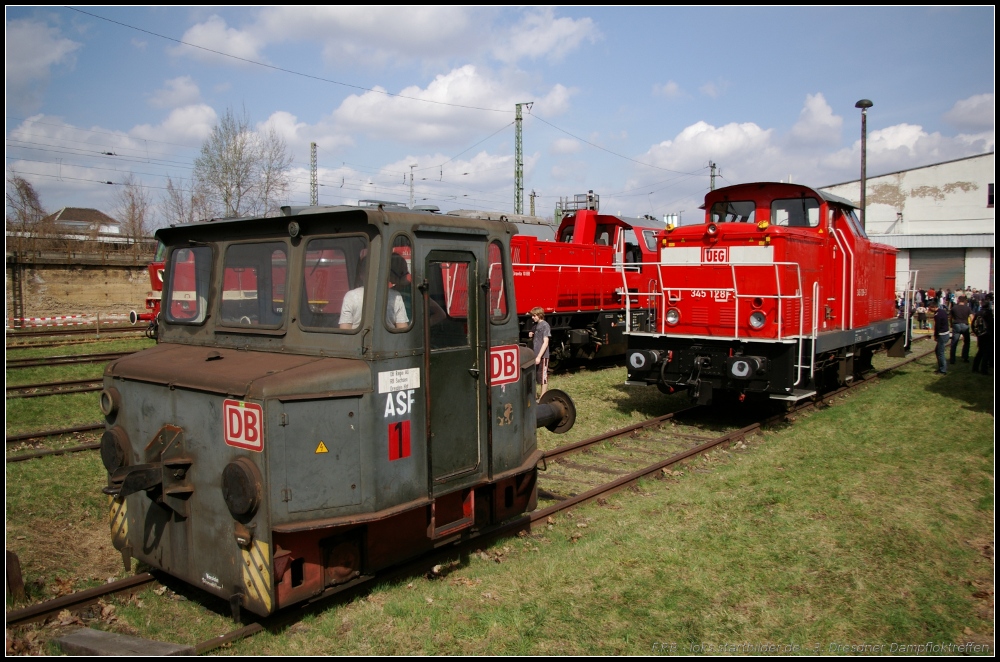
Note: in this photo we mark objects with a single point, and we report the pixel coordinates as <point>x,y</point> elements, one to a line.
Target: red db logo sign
<point>715,255</point>
<point>505,365</point>
<point>243,423</point>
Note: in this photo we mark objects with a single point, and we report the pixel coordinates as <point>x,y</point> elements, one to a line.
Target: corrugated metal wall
<point>939,267</point>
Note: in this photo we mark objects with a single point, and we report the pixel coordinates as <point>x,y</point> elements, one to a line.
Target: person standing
<point>942,335</point>
<point>960,314</point>
<point>982,326</point>
<point>540,336</point>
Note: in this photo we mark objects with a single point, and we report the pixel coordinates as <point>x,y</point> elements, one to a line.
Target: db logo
<point>715,255</point>
<point>243,423</point>
<point>505,365</point>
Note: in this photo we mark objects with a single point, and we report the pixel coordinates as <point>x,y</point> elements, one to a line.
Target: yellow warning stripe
<point>118,519</point>
<point>257,573</point>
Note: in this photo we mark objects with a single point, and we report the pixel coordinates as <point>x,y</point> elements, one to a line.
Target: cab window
<point>795,212</point>
<point>855,224</point>
<point>333,283</point>
<point>253,285</point>
<point>399,306</point>
<point>187,290</point>
<point>498,293</point>
<point>733,212</point>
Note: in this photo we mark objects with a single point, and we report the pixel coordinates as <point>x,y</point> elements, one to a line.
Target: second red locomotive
<point>779,292</point>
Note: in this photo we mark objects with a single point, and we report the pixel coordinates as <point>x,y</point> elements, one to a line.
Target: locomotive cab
<point>334,391</point>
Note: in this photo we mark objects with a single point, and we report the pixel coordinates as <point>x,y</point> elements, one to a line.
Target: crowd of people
<point>953,316</point>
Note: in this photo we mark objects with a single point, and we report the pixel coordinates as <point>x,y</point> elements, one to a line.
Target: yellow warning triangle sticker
<point>322,448</point>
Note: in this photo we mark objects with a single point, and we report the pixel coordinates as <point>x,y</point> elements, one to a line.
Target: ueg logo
<point>505,365</point>
<point>243,423</point>
<point>715,255</point>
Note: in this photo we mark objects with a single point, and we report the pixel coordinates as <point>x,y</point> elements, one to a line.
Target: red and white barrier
<point>63,320</point>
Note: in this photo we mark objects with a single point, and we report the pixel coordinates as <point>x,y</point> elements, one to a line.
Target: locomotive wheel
<point>342,562</point>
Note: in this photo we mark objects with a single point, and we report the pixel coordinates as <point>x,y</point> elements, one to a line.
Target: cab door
<point>454,340</point>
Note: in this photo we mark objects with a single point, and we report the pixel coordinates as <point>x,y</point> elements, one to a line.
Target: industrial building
<point>939,216</point>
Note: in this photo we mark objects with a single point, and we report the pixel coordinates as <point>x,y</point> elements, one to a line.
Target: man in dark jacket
<point>942,335</point>
<point>960,314</point>
<point>983,328</point>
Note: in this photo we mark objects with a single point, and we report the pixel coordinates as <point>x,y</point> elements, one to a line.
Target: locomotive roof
<point>416,219</point>
<point>829,197</point>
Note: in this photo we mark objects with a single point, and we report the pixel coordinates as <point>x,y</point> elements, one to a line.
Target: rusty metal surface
<point>245,374</point>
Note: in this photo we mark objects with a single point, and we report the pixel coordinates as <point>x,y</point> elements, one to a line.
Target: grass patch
<point>869,522</point>
<point>854,526</point>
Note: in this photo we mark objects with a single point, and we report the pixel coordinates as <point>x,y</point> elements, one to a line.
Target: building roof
<point>929,165</point>
<point>80,216</point>
<point>935,240</point>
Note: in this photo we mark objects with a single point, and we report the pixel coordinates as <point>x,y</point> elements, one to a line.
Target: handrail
<point>737,295</point>
<point>847,294</point>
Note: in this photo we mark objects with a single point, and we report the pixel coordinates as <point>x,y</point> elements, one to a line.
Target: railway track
<point>77,330</point>
<point>623,449</point>
<point>41,389</point>
<point>66,359</point>
<point>74,602</point>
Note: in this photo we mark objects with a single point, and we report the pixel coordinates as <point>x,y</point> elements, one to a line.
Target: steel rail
<point>77,600</point>
<point>42,389</point>
<point>25,436</point>
<point>59,451</point>
<point>66,359</point>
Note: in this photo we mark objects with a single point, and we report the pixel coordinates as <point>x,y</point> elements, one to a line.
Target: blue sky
<point>633,103</point>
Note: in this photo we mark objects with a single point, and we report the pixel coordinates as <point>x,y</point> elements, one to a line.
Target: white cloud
<point>746,152</point>
<point>33,50</point>
<point>186,125</point>
<point>180,91</point>
<point>977,113</point>
<point>541,35</point>
<point>297,135</point>
<point>668,90</point>
<point>376,35</point>
<point>401,119</point>
<point>817,124</point>
<point>213,34</point>
<point>140,44</point>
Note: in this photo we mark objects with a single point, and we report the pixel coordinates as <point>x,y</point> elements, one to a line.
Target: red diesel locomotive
<point>779,292</point>
<point>582,277</point>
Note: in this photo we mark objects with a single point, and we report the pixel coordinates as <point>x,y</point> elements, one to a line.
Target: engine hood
<point>243,374</point>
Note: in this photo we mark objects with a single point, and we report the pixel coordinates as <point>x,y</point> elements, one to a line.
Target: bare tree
<point>24,208</point>
<point>242,171</point>
<point>184,203</point>
<point>274,165</point>
<point>134,208</point>
<point>23,213</point>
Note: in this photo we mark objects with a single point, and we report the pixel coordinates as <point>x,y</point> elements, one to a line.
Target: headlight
<point>114,441</point>
<point>673,316</point>
<point>111,401</point>
<point>241,488</point>
<point>758,319</point>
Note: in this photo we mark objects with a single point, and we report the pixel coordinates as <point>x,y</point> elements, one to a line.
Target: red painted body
<point>778,273</point>
<point>581,280</point>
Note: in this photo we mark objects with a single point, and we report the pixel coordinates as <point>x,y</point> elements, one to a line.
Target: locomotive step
<point>86,641</point>
<point>796,395</point>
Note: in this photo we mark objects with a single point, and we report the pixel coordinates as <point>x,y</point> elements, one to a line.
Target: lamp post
<point>864,105</point>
